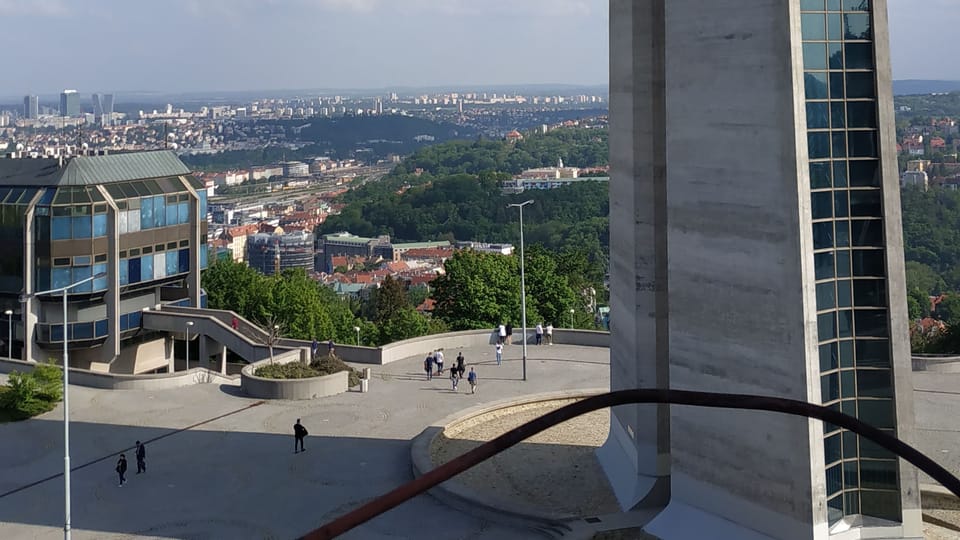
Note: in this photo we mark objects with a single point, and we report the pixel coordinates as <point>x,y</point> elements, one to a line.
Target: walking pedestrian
<point>501,333</point>
<point>141,458</point>
<point>428,365</point>
<point>509,334</point>
<point>299,433</point>
<point>438,357</point>
<point>122,469</point>
<point>461,367</point>
<point>454,378</point>
<point>234,322</point>
<point>472,379</point>
<point>314,349</point>
<point>499,348</point>
<point>330,347</point>
<point>549,333</point>
<point>539,333</point>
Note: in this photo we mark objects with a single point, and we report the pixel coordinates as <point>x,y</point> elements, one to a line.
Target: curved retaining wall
<point>118,381</point>
<point>312,388</point>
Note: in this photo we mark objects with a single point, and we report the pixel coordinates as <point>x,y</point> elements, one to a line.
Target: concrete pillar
<point>28,317</point>
<point>223,361</point>
<point>111,348</point>
<point>193,278</point>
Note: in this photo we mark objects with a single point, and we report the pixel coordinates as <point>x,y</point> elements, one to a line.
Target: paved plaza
<point>220,466</point>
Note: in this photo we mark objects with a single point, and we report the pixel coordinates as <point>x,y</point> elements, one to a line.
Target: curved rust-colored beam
<point>623,397</point>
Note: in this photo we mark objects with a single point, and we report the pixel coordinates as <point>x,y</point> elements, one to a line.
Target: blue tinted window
<point>172,214</point>
<point>815,85</point>
<point>173,263</point>
<point>819,145</point>
<point>184,260</point>
<point>818,115</point>
<point>815,56</point>
<point>133,269</point>
<point>82,227</point>
<point>61,277</point>
<point>124,272</point>
<point>135,319</point>
<point>822,235</point>
<point>814,26</point>
<point>81,273</point>
<point>60,229</point>
<point>146,213</point>
<point>159,211</point>
<point>183,209</point>
<point>99,225</point>
<point>101,328</point>
<point>823,262</point>
<point>99,284</point>
<point>203,257</point>
<point>821,203</point>
<point>820,175</point>
<point>146,267</point>
<point>81,330</point>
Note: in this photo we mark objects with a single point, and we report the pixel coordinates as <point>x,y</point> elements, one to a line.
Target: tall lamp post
<point>357,330</point>
<point>9,314</point>
<point>523,287</point>
<point>66,392</point>
<point>186,343</point>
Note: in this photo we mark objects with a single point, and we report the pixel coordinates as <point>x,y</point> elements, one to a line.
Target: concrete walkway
<point>233,473</point>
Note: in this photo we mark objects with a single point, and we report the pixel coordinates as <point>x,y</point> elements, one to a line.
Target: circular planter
<point>312,388</point>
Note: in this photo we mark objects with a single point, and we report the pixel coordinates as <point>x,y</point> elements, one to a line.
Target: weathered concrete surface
<point>312,388</point>
<point>237,476</point>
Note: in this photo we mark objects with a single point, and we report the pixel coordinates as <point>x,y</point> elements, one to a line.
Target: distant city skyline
<point>246,45</point>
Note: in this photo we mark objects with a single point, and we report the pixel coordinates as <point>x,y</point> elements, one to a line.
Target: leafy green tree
<point>478,290</point>
<point>551,294</point>
<point>389,300</point>
<point>235,286</point>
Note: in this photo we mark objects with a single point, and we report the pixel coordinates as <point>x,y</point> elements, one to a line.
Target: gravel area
<point>556,470</point>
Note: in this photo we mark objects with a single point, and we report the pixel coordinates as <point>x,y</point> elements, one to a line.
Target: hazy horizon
<point>240,46</point>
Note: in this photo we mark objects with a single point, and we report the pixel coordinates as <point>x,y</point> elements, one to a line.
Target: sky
<point>210,45</point>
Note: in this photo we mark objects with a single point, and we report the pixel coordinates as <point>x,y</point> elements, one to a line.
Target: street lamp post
<point>9,314</point>
<point>66,393</point>
<point>523,287</point>
<point>571,318</point>
<point>186,343</point>
<point>357,330</point>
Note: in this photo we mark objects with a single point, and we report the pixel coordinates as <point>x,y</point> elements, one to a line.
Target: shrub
<point>30,394</point>
<point>330,364</point>
<point>49,379</point>
<point>293,370</point>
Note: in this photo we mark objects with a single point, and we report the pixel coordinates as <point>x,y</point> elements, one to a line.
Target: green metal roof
<point>90,170</point>
<point>422,245</point>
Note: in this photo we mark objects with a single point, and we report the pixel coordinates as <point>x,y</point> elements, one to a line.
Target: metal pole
<point>186,345</point>
<point>10,334</point>
<point>523,297</point>
<point>66,424</point>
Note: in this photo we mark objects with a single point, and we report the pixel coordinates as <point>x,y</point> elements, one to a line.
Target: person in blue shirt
<point>472,379</point>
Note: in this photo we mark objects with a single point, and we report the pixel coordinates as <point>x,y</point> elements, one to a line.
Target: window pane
<point>846,354</point>
<point>814,56</point>
<point>820,175</point>
<point>865,203</point>
<point>869,293</point>
<point>811,5</point>
<point>839,173</point>
<point>863,144</point>
<point>844,295</point>
<point>831,448</point>
<point>867,233</point>
<point>865,173</point>
<point>862,114</point>
<point>100,225</point>
<point>860,85</point>
<point>842,237</point>
<point>823,263</point>
<point>828,356</point>
<point>837,115</point>
<point>840,203</point>
<point>857,26</point>
<point>826,296</point>
<point>877,412</point>
<point>834,27</point>
<point>835,55</point>
<point>814,27</point>
<point>879,474</point>
<point>61,229</point>
<point>874,383</point>
<point>856,5</point>
<point>815,85</point>
<point>836,86</point>
<point>873,353</point>
<point>859,55</point>
<point>821,204</point>
<point>870,449</point>
<point>834,480</point>
<point>845,324</point>
<point>850,477</point>
<point>839,141</point>
<point>819,145</point>
<point>871,322</point>
<point>82,227</point>
<point>818,115</point>
<point>827,326</point>
<point>823,235</point>
<point>830,387</point>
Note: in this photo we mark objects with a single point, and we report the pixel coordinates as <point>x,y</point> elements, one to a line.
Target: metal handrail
<point>624,397</point>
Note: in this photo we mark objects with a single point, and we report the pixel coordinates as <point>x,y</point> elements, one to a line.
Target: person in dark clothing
<point>122,469</point>
<point>314,349</point>
<point>299,433</point>
<point>141,458</point>
<point>461,367</point>
<point>509,334</point>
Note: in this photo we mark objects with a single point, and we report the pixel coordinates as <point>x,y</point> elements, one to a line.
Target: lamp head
<point>8,312</point>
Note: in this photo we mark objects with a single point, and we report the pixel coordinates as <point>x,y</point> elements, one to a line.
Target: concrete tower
<point>755,215</point>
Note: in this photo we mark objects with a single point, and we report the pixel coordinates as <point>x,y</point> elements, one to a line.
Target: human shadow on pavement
<point>205,482</point>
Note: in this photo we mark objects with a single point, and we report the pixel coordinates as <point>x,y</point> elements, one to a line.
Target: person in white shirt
<point>549,333</point>
<point>438,358</point>
<point>539,333</point>
<point>502,332</point>
<point>499,347</point>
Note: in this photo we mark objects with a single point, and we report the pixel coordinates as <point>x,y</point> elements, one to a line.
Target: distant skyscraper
<point>31,107</point>
<point>379,106</point>
<point>69,103</point>
<point>103,108</point>
<point>756,247</point>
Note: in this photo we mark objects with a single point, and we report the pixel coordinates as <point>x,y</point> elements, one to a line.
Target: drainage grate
<point>592,520</point>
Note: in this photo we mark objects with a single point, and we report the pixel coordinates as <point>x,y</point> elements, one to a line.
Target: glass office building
<point>138,218</point>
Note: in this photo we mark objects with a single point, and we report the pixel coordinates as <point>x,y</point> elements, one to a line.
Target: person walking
<point>234,322</point>
<point>539,333</point>
<point>509,334</point>
<point>141,458</point>
<point>314,349</point>
<point>438,357</point>
<point>299,433</point>
<point>122,469</point>
<point>454,378</point>
<point>472,379</point>
<point>549,333</point>
<point>461,365</point>
<point>501,333</point>
<point>428,365</point>
<point>330,347</point>
<point>499,348</point>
